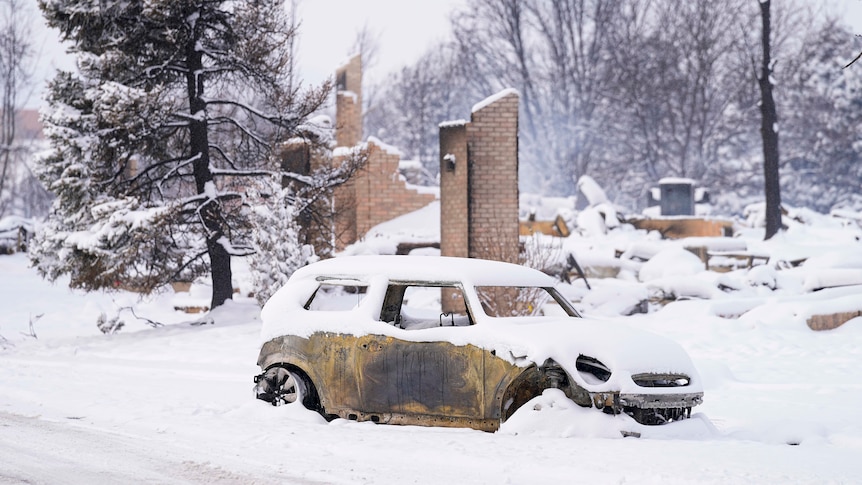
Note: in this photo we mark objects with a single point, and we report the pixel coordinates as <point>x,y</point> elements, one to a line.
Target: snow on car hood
<point>625,350</point>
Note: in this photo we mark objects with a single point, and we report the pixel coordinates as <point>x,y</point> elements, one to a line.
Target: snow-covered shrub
<point>109,325</point>
<point>276,241</point>
<point>671,262</point>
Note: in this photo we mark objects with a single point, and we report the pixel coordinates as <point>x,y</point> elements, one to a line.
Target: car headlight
<point>661,380</point>
<point>592,370</point>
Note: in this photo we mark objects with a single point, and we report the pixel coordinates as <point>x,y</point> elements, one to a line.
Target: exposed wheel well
<point>533,381</point>
<point>525,387</point>
<point>310,397</point>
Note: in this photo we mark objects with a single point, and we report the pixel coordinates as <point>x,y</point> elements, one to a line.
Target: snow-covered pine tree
<point>278,251</point>
<point>177,106</point>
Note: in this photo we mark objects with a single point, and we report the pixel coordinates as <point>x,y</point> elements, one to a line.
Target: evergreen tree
<point>279,250</point>
<point>177,107</point>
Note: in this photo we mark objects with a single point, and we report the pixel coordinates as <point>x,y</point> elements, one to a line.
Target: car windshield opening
<point>523,301</point>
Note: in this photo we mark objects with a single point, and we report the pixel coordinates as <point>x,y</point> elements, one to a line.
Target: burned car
<point>441,341</point>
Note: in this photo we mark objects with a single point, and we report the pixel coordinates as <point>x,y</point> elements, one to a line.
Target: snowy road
<point>39,451</point>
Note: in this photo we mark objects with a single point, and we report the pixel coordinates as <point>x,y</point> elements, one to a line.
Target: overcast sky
<point>328,29</point>
<point>405,28</point>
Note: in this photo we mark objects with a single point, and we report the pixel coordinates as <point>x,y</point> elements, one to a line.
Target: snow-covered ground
<point>174,404</point>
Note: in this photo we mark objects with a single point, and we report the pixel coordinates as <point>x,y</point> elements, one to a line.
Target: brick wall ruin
<point>454,183</point>
<point>478,176</point>
<point>348,103</point>
<point>377,193</point>
<point>479,182</point>
<point>382,194</point>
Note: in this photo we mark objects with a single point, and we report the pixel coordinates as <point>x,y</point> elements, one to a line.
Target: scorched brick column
<point>479,181</point>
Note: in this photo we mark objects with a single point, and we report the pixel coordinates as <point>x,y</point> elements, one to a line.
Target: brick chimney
<point>348,103</point>
<point>479,181</point>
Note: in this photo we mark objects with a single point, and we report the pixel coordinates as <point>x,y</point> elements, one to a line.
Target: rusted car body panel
<point>386,380</point>
<point>383,379</point>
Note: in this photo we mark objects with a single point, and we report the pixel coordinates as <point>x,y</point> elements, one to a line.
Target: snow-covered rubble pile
<point>815,251</point>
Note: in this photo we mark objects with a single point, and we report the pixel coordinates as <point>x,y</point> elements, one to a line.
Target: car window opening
<point>337,296</point>
<point>416,307</point>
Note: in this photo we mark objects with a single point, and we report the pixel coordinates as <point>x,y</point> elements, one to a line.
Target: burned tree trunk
<point>209,211</point>
<point>769,130</point>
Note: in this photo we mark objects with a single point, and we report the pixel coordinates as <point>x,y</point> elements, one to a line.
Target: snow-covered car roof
<point>477,272</point>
